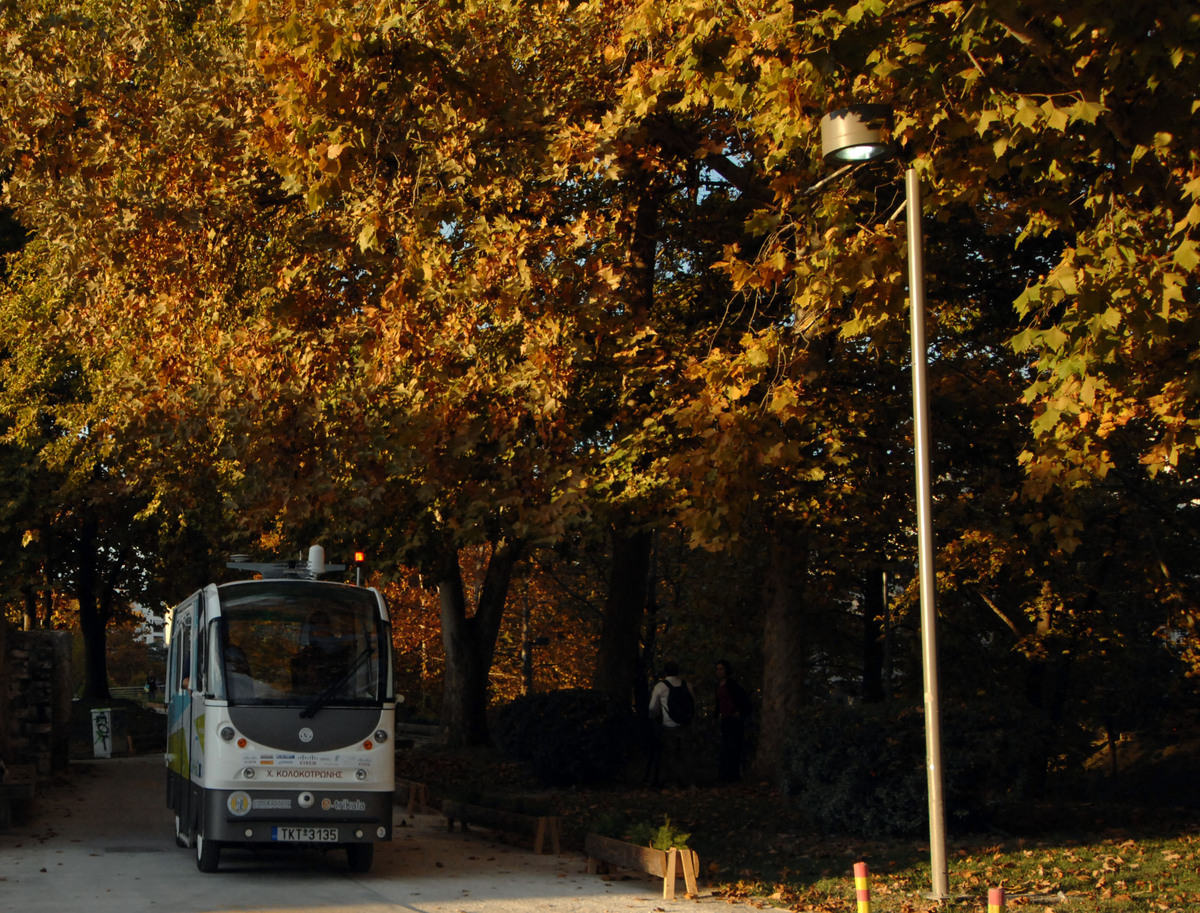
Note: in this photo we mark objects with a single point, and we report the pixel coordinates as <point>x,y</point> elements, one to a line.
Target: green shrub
<point>660,838</point>
<point>567,737</point>
<point>862,769</point>
<point>619,826</point>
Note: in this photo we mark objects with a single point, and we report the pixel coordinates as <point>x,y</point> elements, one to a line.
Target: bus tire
<point>360,856</point>
<point>208,853</point>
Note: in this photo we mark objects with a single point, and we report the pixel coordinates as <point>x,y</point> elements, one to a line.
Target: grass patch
<point>755,845</point>
<point>1054,873</point>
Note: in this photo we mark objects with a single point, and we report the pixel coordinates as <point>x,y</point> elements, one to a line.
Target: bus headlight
<point>248,773</point>
<point>305,800</point>
<point>227,733</point>
<point>361,774</point>
<point>381,736</point>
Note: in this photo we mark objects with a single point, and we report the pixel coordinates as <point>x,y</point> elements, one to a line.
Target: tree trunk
<point>874,607</point>
<point>620,668</point>
<point>628,588</point>
<point>645,658</point>
<point>93,624</point>
<point>471,643</point>
<point>784,660</point>
<point>526,646</point>
<point>29,618</point>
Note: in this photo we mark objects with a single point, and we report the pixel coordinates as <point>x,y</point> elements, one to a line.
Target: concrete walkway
<point>103,842</point>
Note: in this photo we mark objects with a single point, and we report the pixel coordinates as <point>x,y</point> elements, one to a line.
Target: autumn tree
<point>527,326</point>
<point>457,414</point>
<point>71,521</point>
<point>1036,124</point>
<point>120,348</point>
<point>506,276</point>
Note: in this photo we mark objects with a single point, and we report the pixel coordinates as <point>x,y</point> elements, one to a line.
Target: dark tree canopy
<point>524,277</point>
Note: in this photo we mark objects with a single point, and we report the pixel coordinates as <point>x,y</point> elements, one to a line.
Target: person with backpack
<point>672,709</point>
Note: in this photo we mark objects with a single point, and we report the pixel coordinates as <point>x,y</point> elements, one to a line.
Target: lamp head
<point>856,134</point>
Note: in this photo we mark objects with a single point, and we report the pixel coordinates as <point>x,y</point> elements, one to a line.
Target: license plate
<point>305,834</point>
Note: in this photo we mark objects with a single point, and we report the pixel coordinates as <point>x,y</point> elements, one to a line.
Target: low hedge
<point>567,738</point>
<point>862,769</point>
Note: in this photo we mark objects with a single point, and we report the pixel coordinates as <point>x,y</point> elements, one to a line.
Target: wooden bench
<point>665,864</point>
<point>540,827</point>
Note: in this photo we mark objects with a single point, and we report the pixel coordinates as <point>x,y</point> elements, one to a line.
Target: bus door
<point>179,714</point>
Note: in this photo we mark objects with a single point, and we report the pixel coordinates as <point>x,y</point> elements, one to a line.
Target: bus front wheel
<point>208,853</point>
<point>360,856</point>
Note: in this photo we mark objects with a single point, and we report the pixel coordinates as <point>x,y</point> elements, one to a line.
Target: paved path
<point>103,842</point>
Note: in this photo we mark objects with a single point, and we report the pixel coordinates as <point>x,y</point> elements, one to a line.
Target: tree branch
<point>1012,626</point>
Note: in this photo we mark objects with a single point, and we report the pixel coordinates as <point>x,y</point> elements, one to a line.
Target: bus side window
<point>182,671</point>
<point>200,660</point>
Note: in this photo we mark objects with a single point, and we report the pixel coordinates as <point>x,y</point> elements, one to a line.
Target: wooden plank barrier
<point>418,800</point>
<point>540,827</point>
<point>665,864</point>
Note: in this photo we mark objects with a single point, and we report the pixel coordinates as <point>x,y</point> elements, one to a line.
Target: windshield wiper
<point>323,698</point>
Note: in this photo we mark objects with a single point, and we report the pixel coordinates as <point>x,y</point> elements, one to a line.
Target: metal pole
<point>925,543</point>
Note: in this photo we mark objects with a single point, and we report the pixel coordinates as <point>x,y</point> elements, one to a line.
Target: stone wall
<point>35,687</point>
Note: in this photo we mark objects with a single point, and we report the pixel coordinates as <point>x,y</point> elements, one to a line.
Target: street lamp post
<point>852,135</point>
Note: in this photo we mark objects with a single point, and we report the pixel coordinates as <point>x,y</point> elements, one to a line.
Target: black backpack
<point>681,706</point>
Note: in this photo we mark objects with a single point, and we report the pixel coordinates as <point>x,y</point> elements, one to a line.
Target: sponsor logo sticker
<point>239,803</point>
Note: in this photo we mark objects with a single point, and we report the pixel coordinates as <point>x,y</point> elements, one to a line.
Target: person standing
<point>732,709</point>
<point>672,709</point>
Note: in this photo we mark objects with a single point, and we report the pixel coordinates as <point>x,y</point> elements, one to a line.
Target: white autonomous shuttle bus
<point>280,714</point>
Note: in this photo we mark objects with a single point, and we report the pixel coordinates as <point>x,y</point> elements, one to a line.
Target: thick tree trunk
<point>784,659</point>
<point>649,645</point>
<point>628,590</point>
<point>471,643</point>
<point>93,624</point>
<point>620,667</point>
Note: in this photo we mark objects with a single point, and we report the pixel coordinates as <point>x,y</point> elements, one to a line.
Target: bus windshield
<point>306,642</point>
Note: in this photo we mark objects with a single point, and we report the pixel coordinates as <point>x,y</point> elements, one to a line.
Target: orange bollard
<point>996,900</point>
<point>862,887</point>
